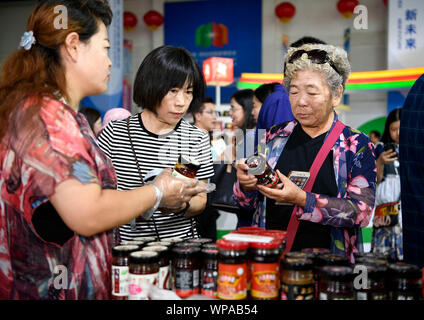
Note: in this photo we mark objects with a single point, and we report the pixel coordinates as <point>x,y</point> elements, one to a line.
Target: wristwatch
<point>183,212</point>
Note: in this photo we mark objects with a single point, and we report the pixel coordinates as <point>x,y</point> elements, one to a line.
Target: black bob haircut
<point>165,68</point>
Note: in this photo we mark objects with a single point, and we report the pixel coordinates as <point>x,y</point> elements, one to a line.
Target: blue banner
<point>229,29</point>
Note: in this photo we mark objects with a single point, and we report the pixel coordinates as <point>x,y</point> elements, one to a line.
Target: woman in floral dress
<point>58,200</point>
<point>342,198</point>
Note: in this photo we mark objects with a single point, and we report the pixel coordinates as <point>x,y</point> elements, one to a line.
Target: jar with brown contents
<point>186,167</point>
<point>120,269</point>
<point>297,279</point>
<point>268,177</point>
<point>144,268</point>
<point>186,270</point>
<point>404,282</point>
<point>336,283</point>
<point>372,286</point>
<point>209,272</point>
<point>164,278</point>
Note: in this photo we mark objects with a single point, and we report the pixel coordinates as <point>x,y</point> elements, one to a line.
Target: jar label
<point>139,283</point>
<point>164,278</point>
<point>120,281</point>
<point>361,296</point>
<point>298,292</point>
<point>232,281</point>
<point>196,280</point>
<point>264,280</point>
<point>184,283</point>
<point>325,296</point>
<point>209,283</point>
<point>176,174</point>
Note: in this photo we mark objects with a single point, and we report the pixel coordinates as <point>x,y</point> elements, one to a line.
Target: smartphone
<point>390,146</point>
<point>299,178</point>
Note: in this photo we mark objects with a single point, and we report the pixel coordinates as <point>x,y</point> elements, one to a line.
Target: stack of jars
<point>239,270</point>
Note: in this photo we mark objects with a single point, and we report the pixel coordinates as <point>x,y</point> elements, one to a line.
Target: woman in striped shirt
<point>167,83</point>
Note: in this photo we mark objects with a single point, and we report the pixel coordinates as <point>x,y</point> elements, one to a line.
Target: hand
<point>387,157</point>
<point>176,191</point>
<point>285,191</point>
<point>247,181</point>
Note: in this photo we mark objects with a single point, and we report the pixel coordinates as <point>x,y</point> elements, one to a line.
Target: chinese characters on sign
<point>406,30</point>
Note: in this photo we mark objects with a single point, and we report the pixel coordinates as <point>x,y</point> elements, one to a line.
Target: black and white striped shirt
<point>154,152</point>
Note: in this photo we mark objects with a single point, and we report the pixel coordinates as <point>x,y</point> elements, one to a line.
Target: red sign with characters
<point>218,71</point>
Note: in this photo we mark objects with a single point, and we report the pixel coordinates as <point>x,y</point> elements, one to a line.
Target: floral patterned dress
<point>40,151</point>
<point>355,172</point>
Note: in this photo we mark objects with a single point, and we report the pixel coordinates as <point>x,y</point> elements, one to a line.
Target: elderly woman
<point>342,197</point>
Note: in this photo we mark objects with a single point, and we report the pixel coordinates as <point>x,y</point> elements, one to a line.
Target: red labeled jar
<point>265,270</point>
<point>186,271</point>
<point>120,271</point>
<point>232,269</point>
<point>262,171</point>
<point>144,270</point>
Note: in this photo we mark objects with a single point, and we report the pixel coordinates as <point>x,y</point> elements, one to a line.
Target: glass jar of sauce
<point>265,270</point>
<point>297,279</point>
<point>120,269</point>
<point>336,283</point>
<point>232,269</point>
<point>144,271</point>
<point>186,270</point>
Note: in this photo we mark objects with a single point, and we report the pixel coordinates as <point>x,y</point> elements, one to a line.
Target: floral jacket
<point>355,172</point>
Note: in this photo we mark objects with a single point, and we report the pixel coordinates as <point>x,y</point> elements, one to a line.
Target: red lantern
<point>153,19</point>
<point>346,7</point>
<point>130,21</point>
<point>285,11</point>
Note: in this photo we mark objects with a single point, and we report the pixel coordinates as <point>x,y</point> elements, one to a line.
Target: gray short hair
<point>336,54</point>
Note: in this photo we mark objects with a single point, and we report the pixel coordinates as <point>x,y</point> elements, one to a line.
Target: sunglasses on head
<point>316,56</point>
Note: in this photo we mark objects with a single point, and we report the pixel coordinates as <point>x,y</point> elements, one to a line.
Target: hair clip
<point>27,40</point>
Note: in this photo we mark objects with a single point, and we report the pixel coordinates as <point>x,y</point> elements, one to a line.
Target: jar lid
<point>159,243</point>
<point>297,264</point>
<point>276,234</point>
<point>232,245</point>
<point>337,273</point>
<point>209,246</point>
<point>331,259</point>
<point>124,250</point>
<point>316,251</point>
<point>161,250</point>
<point>374,270</point>
<point>145,239</point>
<point>186,251</point>
<point>134,243</point>
<point>369,260</point>
<point>300,254</point>
<point>174,239</point>
<point>201,240</point>
<point>144,257</point>
<point>408,271</point>
<point>266,245</point>
<point>190,163</point>
<point>210,252</point>
<point>187,244</point>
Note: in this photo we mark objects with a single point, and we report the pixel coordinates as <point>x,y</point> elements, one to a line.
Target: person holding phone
<point>342,196</point>
<point>387,222</point>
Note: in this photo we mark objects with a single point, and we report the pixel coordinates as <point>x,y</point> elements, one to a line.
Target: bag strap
<point>316,166</point>
<point>133,222</point>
